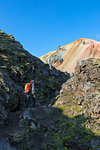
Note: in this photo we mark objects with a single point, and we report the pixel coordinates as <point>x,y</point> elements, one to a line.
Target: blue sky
<point>42,25</point>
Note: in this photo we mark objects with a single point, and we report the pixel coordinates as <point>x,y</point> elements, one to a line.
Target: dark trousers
<point>29,97</point>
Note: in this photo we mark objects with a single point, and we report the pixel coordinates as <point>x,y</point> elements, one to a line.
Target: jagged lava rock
<point>85,86</point>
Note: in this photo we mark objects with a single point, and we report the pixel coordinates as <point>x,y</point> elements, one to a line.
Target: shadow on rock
<point>47,128</point>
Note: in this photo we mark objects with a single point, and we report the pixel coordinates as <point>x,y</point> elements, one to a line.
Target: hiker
<point>50,63</point>
<point>30,92</point>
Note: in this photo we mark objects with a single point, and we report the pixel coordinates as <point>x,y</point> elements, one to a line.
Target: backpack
<point>27,87</point>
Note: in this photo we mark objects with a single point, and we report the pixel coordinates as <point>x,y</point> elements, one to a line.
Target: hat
<point>32,81</point>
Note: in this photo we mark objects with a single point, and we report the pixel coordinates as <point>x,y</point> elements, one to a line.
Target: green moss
<point>67,138</point>
<point>65,148</point>
<point>22,54</point>
<point>58,141</point>
<point>22,66</point>
<point>19,54</point>
<point>62,107</point>
<point>67,122</point>
<point>77,108</point>
<point>98,146</point>
<point>2,48</point>
<point>72,133</point>
<point>44,146</point>
<point>94,53</point>
<point>96,128</point>
<point>97,61</point>
<point>10,57</point>
<point>87,138</point>
<point>87,131</point>
<point>96,131</point>
<point>51,79</point>
<point>3,67</point>
<point>56,138</point>
<point>90,51</point>
<point>78,77</point>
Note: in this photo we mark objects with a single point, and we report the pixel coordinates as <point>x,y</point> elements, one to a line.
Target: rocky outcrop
<point>66,57</point>
<point>17,67</point>
<point>83,89</point>
<point>85,86</point>
<point>79,99</point>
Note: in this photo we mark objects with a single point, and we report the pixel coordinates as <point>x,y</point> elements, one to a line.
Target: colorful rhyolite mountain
<point>65,57</point>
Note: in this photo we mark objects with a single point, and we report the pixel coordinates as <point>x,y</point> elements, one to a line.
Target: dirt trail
<point>33,128</point>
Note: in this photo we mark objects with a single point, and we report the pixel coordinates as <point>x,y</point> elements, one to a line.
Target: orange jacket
<point>27,87</point>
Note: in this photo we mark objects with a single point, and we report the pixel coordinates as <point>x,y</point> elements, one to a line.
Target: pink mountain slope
<point>66,57</point>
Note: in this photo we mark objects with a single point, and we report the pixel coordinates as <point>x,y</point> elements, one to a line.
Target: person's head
<point>32,81</point>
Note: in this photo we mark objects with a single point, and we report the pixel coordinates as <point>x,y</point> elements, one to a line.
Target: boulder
<point>16,137</point>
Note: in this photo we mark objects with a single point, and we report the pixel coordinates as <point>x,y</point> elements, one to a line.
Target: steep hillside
<point>66,57</point>
<point>17,67</point>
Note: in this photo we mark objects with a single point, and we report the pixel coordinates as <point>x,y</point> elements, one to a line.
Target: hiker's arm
<point>33,91</point>
<point>34,95</point>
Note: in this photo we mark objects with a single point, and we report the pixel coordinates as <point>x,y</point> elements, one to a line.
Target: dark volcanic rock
<point>17,67</point>
<point>3,116</point>
<point>85,86</point>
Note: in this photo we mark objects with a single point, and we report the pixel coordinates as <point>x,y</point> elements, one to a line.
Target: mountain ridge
<point>66,57</point>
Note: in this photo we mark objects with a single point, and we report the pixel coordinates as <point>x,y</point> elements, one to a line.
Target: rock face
<point>85,86</point>
<point>66,57</point>
<point>80,99</point>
